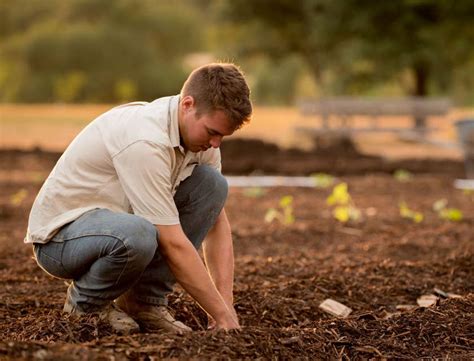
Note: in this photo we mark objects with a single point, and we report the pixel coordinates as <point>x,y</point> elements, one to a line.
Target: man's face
<point>200,133</point>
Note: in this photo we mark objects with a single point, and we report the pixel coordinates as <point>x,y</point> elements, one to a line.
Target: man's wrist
<point>228,296</point>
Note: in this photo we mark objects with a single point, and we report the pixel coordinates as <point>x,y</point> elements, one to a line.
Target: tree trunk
<point>421,80</point>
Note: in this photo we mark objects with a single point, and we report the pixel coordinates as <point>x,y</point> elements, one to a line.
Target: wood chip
<point>290,340</point>
<point>405,307</point>
<point>427,300</point>
<point>440,293</point>
<point>335,308</point>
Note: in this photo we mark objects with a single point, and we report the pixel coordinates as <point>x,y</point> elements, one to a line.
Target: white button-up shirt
<point>129,159</point>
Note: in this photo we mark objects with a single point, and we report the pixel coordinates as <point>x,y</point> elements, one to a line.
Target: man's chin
<point>197,148</point>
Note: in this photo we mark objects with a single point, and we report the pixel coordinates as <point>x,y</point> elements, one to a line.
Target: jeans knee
<point>141,241</point>
<point>213,183</point>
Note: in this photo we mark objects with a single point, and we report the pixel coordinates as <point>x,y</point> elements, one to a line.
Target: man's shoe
<point>151,317</point>
<point>118,320</point>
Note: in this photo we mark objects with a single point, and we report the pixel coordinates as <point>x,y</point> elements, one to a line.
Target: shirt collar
<point>173,122</point>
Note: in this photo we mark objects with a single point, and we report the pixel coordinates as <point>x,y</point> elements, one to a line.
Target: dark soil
<point>282,272</point>
<point>247,156</point>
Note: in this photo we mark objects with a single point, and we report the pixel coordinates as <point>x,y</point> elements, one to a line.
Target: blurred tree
<point>282,27</point>
<point>94,50</point>
<point>349,45</point>
<point>276,80</point>
<point>431,38</point>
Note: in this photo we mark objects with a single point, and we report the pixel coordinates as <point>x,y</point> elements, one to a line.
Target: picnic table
<point>337,113</point>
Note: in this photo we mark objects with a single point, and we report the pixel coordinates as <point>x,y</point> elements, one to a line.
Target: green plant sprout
<point>403,175</point>
<point>406,212</point>
<point>17,198</point>
<point>344,209</point>
<point>469,193</point>
<point>322,180</point>
<point>449,214</point>
<point>284,214</point>
<point>254,192</point>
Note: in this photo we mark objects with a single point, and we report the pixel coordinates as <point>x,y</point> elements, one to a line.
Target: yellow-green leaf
<point>339,195</point>
<point>417,217</point>
<point>322,180</point>
<point>271,214</point>
<point>286,201</point>
<point>406,212</point>
<point>18,197</point>
<point>451,214</point>
<point>402,175</point>
<point>341,213</point>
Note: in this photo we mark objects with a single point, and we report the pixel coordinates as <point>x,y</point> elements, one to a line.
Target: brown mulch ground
<point>282,272</point>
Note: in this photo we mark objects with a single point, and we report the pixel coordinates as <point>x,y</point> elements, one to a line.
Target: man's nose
<point>216,141</point>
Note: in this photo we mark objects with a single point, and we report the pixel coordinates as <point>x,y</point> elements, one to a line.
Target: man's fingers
<point>211,323</point>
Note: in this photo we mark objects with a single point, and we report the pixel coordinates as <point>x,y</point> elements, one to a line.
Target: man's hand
<point>212,324</point>
<point>190,272</point>
<point>219,257</point>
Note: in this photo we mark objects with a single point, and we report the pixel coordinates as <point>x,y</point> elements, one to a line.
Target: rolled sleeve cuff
<point>162,221</point>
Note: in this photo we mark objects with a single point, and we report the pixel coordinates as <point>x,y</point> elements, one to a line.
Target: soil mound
<point>339,157</point>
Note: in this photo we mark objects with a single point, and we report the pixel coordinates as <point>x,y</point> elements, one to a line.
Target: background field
<point>53,126</point>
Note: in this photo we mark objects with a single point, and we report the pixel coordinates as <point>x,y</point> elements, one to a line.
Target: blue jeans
<point>107,253</point>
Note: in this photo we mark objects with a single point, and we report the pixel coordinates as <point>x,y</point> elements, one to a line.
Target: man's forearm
<point>219,257</point>
<point>186,265</point>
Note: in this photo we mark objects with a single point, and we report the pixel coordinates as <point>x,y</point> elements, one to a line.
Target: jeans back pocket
<point>48,257</point>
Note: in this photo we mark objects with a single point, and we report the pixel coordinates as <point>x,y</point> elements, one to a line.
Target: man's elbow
<point>171,240</point>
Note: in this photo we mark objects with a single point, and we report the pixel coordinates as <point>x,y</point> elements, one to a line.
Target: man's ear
<point>187,103</point>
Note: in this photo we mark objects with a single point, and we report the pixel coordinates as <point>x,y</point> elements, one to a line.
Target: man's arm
<point>190,272</point>
<point>219,256</point>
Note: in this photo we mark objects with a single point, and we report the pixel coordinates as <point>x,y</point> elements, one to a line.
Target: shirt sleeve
<point>144,170</point>
<point>212,157</point>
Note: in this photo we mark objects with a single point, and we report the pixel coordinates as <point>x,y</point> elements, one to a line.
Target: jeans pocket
<point>48,257</point>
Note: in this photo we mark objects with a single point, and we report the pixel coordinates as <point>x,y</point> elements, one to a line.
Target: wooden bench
<point>337,113</point>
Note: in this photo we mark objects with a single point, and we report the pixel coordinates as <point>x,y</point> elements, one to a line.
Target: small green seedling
<point>406,212</point>
<point>284,213</point>
<point>449,214</point>
<point>254,192</point>
<point>344,209</point>
<point>17,198</point>
<point>403,175</point>
<point>469,193</point>
<point>322,180</point>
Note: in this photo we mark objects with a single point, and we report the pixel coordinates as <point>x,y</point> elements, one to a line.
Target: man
<point>132,198</point>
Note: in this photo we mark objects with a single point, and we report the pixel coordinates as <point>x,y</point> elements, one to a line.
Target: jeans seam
<point>124,243</point>
<point>86,235</point>
<point>128,259</point>
<point>42,254</point>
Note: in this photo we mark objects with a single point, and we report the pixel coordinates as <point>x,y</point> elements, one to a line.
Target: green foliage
<point>275,80</point>
<point>344,209</point>
<point>351,46</point>
<point>339,195</point>
<point>403,175</point>
<point>126,49</point>
<point>449,214</point>
<point>95,50</point>
<point>284,213</point>
<point>125,90</point>
<point>469,193</point>
<point>322,180</point>
<point>254,192</point>
<point>68,88</point>
<point>408,213</point>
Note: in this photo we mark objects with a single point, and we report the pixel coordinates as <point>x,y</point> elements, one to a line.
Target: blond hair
<point>220,86</point>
